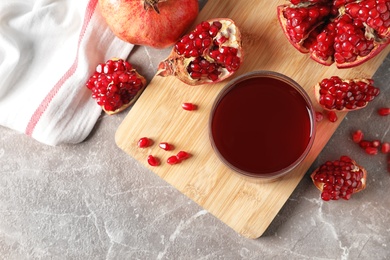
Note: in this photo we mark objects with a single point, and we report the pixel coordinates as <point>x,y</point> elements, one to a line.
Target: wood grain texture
<point>245,205</point>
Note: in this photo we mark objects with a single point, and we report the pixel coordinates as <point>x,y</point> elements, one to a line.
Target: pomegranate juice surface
<point>261,125</point>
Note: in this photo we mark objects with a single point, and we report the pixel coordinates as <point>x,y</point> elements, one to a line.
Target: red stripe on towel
<point>46,101</point>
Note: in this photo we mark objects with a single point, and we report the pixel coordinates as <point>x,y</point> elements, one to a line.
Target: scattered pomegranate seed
<point>173,160</point>
<point>364,144</point>
<point>385,147</point>
<point>384,111</point>
<point>319,116</point>
<point>371,150</point>
<point>182,155</point>
<point>332,116</point>
<point>357,136</point>
<point>189,106</point>
<point>144,142</point>
<point>376,143</point>
<point>153,161</point>
<point>166,146</point>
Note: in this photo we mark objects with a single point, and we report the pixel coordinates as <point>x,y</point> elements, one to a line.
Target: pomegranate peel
<point>155,23</point>
<point>339,179</point>
<point>210,53</point>
<point>336,94</point>
<point>115,85</point>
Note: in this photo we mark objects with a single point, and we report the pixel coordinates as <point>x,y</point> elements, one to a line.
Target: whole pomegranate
<point>210,53</point>
<point>339,94</point>
<point>115,85</point>
<point>339,179</point>
<point>155,23</point>
<point>345,32</point>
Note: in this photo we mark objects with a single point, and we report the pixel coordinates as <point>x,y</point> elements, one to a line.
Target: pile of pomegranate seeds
<point>339,179</point>
<point>115,85</point>
<point>338,94</point>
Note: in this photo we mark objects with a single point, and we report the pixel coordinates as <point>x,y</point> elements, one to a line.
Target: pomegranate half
<point>155,23</point>
<point>210,53</point>
<point>345,32</point>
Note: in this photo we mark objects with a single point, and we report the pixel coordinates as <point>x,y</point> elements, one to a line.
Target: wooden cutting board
<point>246,206</point>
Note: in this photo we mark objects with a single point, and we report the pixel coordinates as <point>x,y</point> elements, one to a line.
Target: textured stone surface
<point>93,201</point>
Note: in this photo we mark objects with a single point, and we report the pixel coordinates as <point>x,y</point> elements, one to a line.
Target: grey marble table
<point>93,201</point>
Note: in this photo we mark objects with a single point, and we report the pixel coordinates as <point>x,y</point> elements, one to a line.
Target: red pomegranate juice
<point>261,125</point>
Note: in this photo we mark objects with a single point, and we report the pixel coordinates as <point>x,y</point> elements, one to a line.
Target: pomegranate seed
<point>357,136</point>
<point>384,111</point>
<point>153,161</point>
<point>166,146</point>
<point>319,116</point>
<point>371,150</point>
<point>144,142</point>
<point>173,160</point>
<point>385,147</point>
<point>189,106</point>
<point>364,144</point>
<point>332,116</point>
<point>375,143</point>
<point>182,155</point>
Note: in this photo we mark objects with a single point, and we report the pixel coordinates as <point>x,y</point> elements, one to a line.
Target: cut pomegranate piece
<point>144,142</point>
<point>210,53</point>
<point>189,106</point>
<point>339,179</point>
<point>345,32</point>
<point>115,85</point>
<point>339,94</point>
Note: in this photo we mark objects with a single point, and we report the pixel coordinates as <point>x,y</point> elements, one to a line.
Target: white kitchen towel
<point>48,50</point>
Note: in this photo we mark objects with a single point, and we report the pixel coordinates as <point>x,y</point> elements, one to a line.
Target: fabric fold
<point>48,50</point>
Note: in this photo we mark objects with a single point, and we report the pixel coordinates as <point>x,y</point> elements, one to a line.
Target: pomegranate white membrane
<point>262,125</point>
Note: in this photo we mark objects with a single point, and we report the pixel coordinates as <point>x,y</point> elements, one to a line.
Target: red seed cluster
<point>348,32</point>
<point>114,84</point>
<point>339,94</point>
<point>340,178</point>
<point>205,45</point>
